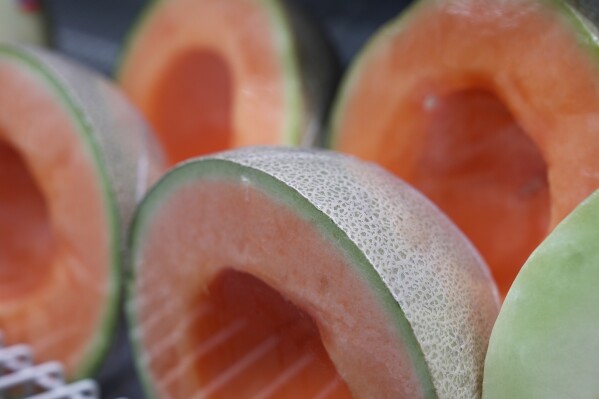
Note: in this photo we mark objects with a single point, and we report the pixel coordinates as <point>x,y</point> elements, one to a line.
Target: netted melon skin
<point>437,278</point>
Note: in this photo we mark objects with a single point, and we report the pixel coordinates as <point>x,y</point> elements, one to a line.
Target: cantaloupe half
<point>545,343</point>
<point>211,74</point>
<point>74,159</point>
<point>281,273</point>
<point>490,108</point>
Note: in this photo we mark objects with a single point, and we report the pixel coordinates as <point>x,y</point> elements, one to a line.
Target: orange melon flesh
<point>28,239</point>
<point>54,278</point>
<point>211,325</point>
<point>191,106</point>
<point>208,76</point>
<point>486,107</point>
<point>280,343</point>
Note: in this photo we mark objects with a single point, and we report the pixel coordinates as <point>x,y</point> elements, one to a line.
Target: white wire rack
<point>21,378</point>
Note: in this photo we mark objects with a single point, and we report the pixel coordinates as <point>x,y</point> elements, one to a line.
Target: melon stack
<point>271,272</point>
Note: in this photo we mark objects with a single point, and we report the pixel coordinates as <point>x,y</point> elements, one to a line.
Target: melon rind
<point>120,147</point>
<point>430,280</point>
<point>545,343</point>
<point>310,68</point>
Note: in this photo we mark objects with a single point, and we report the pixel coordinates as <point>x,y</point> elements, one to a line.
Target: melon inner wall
<point>279,352</point>
<point>192,105</point>
<point>479,166</point>
<point>27,239</point>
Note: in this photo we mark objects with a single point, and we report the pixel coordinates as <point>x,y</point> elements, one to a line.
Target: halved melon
<point>74,159</point>
<point>211,74</point>
<point>545,343</point>
<point>24,21</point>
<point>490,108</point>
<point>295,274</point>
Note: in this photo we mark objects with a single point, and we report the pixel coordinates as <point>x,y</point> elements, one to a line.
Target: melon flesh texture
<point>211,75</point>
<point>545,343</point>
<point>62,205</point>
<point>489,108</point>
<point>281,273</point>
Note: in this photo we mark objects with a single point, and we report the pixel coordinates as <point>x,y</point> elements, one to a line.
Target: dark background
<point>92,32</point>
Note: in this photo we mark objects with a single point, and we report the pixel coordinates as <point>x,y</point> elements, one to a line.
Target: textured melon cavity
<point>75,158</point>
<point>402,303</point>
<point>194,98</point>
<point>477,164</point>
<point>28,240</point>
<point>263,323</point>
<point>545,343</point>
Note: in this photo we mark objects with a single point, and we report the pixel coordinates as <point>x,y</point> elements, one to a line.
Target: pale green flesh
<point>545,343</point>
<point>224,170</point>
<point>99,345</point>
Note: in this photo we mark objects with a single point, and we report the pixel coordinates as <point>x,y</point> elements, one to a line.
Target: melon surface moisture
<point>295,274</point>
<point>545,343</point>
<point>74,159</point>
<point>490,108</point>
<point>212,74</point>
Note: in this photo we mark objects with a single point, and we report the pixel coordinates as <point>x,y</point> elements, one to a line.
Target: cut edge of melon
<point>533,283</point>
<point>288,196</point>
<point>98,347</point>
<point>295,103</point>
<point>587,34</point>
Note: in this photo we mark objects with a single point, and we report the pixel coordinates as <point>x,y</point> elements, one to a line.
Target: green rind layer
<point>310,68</point>
<point>545,343</point>
<point>581,15</point>
<point>392,232</point>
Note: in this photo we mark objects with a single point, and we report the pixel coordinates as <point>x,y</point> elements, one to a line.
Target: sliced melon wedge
<point>75,158</point>
<point>489,108</point>
<point>302,274</point>
<point>545,343</point>
<point>210,75</point>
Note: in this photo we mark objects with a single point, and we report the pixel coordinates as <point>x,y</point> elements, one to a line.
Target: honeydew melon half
<point>489,108</point>
<point>211,75</point>
<point>75,157</point>
<point>266,272</point>
<point>545,342</point>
